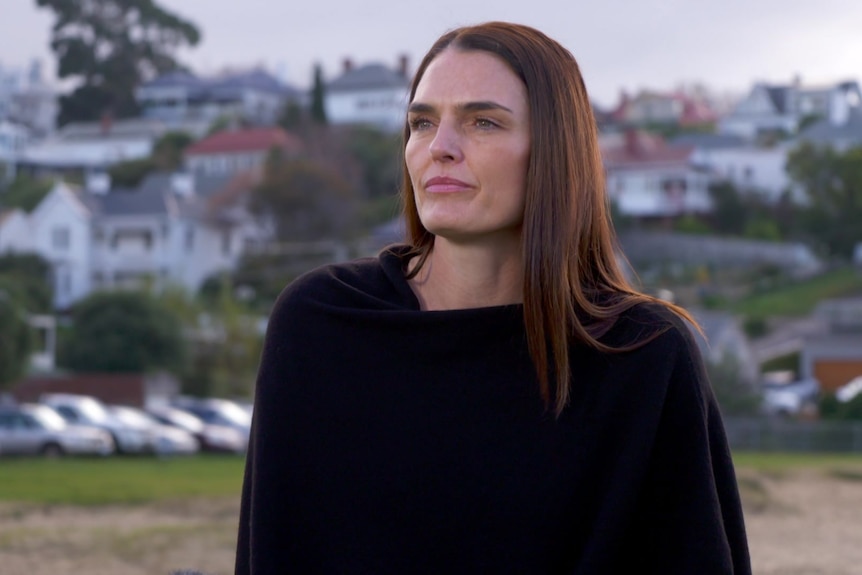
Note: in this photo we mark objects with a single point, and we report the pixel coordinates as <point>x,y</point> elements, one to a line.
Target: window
<point>190,238</point>
<point>60,238</point>
<point>225,242</point>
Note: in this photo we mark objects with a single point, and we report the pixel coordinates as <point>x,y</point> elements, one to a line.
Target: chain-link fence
<point>767,434</point>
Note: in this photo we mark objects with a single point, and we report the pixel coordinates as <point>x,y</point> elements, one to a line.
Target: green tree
<point>379,155</point>
<point>167,156</point>
<point>16,339</point>
<point>832,181</point>
<point>734,394</point>
<point>109,47</point>
<point>123,331</point>
<point>25,192</point>
<point>318,95</point>
<point>228,346</point>
<point>305,201</point>
<point>27,277</point>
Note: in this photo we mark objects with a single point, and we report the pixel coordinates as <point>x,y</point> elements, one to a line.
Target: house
<point>240,149</point>
<point>769,108</point>
<point>646,178</point>
<point>650,107</point>
<point>834,357</point>
<point>182,98</point>
<point>26,100</point>
<point>373,94</point>
<point>59,231</point>
<point>754,170</point>
<point>174,229</point>
<point>79,147</point>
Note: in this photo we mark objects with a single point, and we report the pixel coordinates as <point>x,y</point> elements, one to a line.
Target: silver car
<point>31,429</point>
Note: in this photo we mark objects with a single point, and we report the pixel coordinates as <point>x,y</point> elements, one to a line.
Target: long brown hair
<point>574,287</point>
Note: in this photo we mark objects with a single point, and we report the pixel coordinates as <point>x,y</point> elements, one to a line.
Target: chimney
<point>183,184</point>
<point>632,142</point>
<point>107,122</point>
<point>403,62</point>
<point>347,65</point>
<point>98,182</point>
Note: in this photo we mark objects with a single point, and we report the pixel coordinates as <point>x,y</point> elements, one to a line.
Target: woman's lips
<point>442,184</point>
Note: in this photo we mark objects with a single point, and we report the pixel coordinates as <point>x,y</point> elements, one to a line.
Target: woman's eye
<point>419,123</point>
<point>485,123</point>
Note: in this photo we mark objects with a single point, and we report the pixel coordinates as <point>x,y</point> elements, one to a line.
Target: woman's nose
<point>446,145</point>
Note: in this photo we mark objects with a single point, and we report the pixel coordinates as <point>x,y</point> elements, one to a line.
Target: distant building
<point>834,357</point>
<point>173,229</point>
<point>26,100</point>
<point>235,150</point>
<point>373,95</point>
<point>646,178</point>
<point>86,146</point>
<point>182,98</point>
<point>649,107</point>
<point>770,108</point>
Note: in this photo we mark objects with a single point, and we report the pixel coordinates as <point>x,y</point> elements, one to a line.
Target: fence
<point>787,435</point>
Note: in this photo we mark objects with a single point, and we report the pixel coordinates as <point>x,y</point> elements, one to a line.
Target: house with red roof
<point>237,150</point>
<point>658,108</point>
<point>647,178</point>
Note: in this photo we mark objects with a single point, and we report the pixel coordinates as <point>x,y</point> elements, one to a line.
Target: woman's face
<point>469,147</point>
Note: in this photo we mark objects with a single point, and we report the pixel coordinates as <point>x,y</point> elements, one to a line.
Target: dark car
<point>211,436</point>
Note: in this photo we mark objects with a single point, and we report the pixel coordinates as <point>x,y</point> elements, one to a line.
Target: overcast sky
<point>620,44</point>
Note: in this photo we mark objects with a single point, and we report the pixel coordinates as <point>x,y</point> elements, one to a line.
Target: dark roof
<point>827,133</point>
<point>151,198</point>
<point>779,97</point>
<point>368,77</point>
<point>229,85</point>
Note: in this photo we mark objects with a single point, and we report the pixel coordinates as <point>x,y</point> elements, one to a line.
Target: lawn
<point>781,461</point>
<point>799,299</point>
<point>119,480</point>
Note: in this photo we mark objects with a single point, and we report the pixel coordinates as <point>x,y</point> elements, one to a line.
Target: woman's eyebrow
<point>480,106</point>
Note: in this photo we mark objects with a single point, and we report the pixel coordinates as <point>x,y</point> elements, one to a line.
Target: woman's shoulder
<point>648,320</point>
<point>367,282</point>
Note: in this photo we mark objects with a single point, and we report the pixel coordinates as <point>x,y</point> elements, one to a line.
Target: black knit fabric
<point>389,440</point>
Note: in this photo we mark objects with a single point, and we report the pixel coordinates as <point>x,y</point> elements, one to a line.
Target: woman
<point>492,397</point>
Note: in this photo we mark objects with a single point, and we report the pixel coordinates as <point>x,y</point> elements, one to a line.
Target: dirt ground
<point>799,523</point>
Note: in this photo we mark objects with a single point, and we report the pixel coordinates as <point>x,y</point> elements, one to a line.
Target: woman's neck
<point>463,276</point>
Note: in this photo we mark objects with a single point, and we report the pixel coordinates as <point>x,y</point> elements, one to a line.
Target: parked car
<point>211,436</point>
<point>87,410</point>
<point>163,439</point>
<point>789,398</point>
<point>32,429</point>
<point>217,411</point>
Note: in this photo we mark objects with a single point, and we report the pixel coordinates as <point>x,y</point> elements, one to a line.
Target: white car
<point>87,410</point>
<point>32,429</point>
<point>164,439</point>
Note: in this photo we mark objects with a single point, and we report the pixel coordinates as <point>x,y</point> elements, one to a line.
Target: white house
<point>93,145</point>
<point>648,179</point>
<point>373,94</point>
<point>175,229</point>
<point>751,169</point>
<point>60,232</point>
<point>781,108</point>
